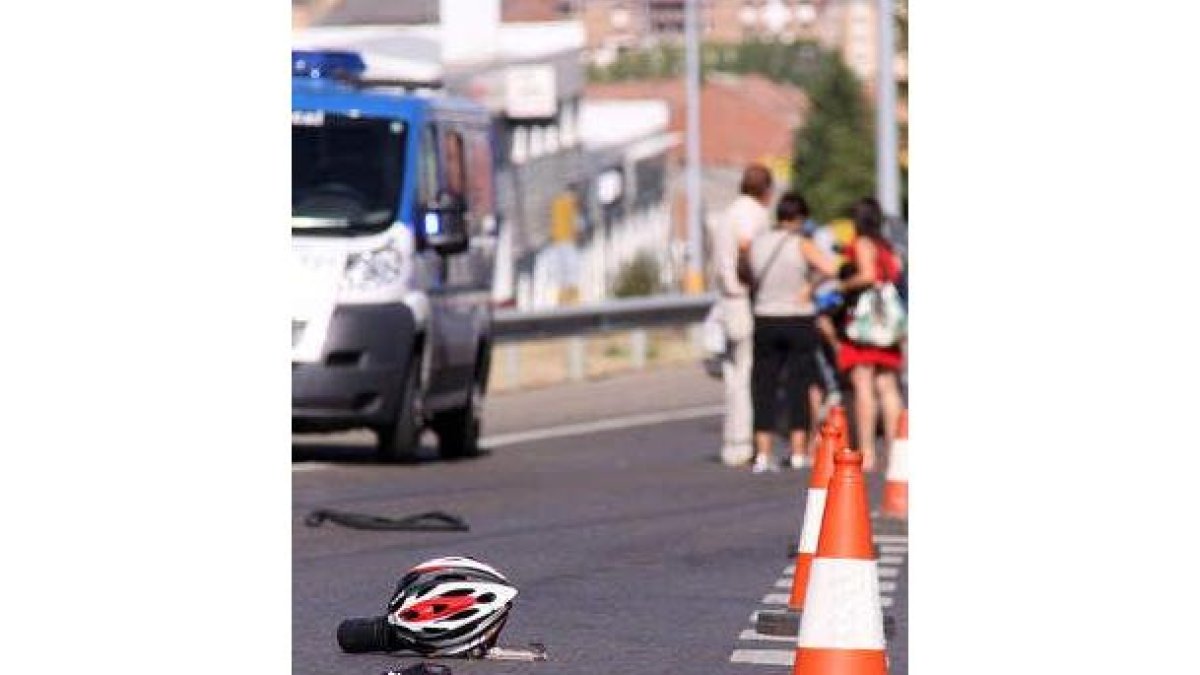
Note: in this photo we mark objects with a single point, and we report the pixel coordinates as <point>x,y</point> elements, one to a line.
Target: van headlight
<point>374,276</point>
<point>372,269</point>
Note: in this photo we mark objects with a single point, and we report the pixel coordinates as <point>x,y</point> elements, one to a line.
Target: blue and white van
<point>394,229</point>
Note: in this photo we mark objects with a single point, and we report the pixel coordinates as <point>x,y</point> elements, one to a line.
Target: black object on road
<point>420,669</point>
<point>431,521</point>
<point>360,636</point>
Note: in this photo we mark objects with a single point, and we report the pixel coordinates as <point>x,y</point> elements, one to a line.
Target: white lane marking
<point>775,599</point>
<point>627,422</point>
<point>765,657</point>
<point>578,429</point>
<point>751,634</point>
<point>311,466</point>
<point>783,583</point>
<point>890,560</point>
<point>892,548</point>
<point>887,587</point>
<point>790,569</point>
<point>889,572</point>
<point>891,538</point>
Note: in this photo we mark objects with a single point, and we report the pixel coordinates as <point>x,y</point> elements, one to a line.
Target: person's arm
<point>816,257</point>
<point>727,248</point>
<point>864,254</point>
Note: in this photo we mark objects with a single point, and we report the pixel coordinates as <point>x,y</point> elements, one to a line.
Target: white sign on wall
<point>530,91</point>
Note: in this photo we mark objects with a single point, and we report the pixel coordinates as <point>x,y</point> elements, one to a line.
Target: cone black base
<point>784,623</point>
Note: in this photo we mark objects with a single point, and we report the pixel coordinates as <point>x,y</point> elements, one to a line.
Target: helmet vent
<point>487,597</point>
<point>456,593</point>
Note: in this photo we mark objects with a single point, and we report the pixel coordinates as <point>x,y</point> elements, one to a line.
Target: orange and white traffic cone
<point>895,489</point>
<point>841,630</point>
<point>837,417</point>
<point>787,622</point>
<point>814,509</point>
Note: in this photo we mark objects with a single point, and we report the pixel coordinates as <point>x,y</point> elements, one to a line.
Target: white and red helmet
<point>454,606</point>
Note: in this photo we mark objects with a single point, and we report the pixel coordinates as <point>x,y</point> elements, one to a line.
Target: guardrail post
<point>638,348</point>
<point>576,357</point>
<point>512,365</point>
<point>696,333</point>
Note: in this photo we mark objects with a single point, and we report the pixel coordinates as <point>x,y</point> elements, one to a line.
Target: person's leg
<point>887,383</point>
<point>862,381</point>
<point>815,397</point>
<point>736,448</point>
<point>801,378</point>
<point>764,379</point>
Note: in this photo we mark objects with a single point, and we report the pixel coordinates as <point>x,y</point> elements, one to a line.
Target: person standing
<point>745,218</point>
<point>785,265</point>
<point>874,371</point>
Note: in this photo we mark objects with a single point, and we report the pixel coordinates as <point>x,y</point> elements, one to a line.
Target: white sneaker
<point>797,461</point>
<point>764,465</point>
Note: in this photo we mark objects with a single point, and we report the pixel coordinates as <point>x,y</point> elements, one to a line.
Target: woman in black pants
<point>785,331</point>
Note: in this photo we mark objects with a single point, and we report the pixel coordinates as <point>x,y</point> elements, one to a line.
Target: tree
<point>639,276</point>
<point>834,156</point>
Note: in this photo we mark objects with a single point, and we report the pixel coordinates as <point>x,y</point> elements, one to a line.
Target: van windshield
<point>347,173</point>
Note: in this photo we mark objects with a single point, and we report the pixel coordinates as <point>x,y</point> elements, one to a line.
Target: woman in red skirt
<point>873,371</point>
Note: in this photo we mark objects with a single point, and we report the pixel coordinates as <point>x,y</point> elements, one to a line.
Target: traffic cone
<point>814,508</point>
<point>841,630</point>
<point>895,489</point>
<point>787,622</point>
<point>836,416</point>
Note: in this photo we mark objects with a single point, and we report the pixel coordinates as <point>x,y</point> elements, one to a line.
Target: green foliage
<point>639,276</point>
<point>834,155</point>
<point>790,62</point>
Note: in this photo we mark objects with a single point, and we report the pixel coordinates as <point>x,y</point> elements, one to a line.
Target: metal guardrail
<point>635,315</point>
<point>626,314</point>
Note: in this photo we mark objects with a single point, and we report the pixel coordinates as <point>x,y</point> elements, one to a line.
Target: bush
<point>639,276</point>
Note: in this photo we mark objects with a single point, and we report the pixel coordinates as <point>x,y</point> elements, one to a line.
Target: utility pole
<point>694,279</point>
<point>887,166</point>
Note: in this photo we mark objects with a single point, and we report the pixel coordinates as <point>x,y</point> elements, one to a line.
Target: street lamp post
<point>887,167</point>
<point>694,280</point>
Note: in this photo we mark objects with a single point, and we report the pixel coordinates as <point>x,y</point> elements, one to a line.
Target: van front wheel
<point>458,429</point>
<point>400,440</point>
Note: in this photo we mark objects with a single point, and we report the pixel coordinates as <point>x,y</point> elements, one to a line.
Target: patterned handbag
<point>878,318</point>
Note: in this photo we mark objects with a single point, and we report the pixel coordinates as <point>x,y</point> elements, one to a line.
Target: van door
<point>453,335</point>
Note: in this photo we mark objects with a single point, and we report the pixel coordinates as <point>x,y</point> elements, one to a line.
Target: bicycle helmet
<point>453,606</point>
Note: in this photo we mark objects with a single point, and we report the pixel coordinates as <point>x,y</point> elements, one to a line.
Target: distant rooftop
<point>743,118</point>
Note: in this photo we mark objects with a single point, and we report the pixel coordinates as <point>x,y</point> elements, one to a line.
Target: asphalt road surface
<point>634,549</point>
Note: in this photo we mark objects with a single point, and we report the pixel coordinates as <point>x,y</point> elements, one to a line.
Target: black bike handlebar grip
<point>357,636</point>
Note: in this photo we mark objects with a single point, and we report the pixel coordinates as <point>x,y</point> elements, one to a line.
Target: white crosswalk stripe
<point>765,657</point>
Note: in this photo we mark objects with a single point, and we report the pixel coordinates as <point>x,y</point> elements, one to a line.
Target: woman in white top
<point>785,266</point>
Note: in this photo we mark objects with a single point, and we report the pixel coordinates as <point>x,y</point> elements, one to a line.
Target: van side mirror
<point>443,227</point>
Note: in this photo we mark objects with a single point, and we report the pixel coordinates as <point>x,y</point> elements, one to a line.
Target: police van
<point>394,229</point>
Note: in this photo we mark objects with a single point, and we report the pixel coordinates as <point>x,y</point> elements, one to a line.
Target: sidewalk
<point>660,389</point>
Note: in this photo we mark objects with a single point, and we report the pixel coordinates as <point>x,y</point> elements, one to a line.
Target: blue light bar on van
<point>319,64</point>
